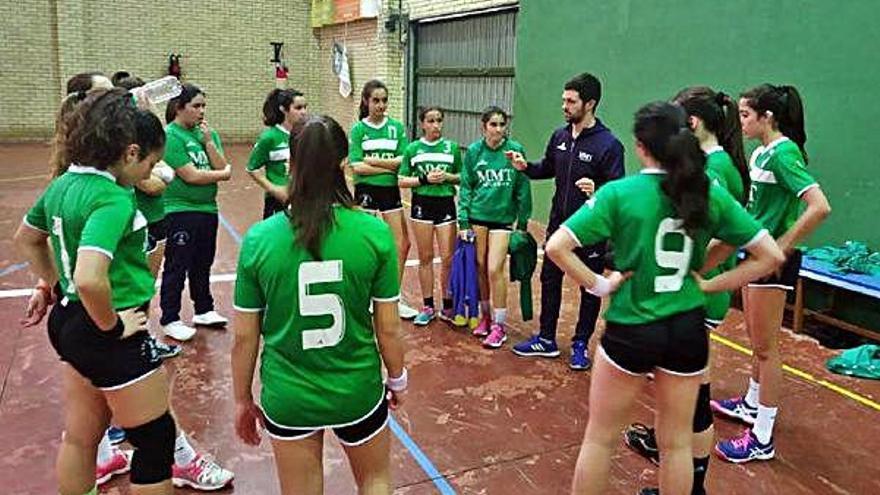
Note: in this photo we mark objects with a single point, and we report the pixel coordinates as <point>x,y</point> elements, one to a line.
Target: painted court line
<point>13,293</point>
<point>803,375</point>
<point>414,450</point>
<point>229,228</point>
<point>26,177</point>
<point>13,268</point>
<point>439,481</point>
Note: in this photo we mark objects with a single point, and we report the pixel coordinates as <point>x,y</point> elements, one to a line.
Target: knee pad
<point>153,444</point>
<point>703,414</point>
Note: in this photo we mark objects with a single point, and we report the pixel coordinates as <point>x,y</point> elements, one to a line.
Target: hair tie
<point>721,99</point>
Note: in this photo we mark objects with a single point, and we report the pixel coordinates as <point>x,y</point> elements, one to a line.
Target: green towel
<point>523,250</point>
<point>852,257</point>
<point>862,361</point>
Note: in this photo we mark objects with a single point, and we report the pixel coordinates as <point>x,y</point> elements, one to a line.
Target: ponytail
<point>275,101</point>
<point>731,139</point>
<point>59,162</point>
<point>661,128</point>
<point>720,116</point>
<point>317,148</point>
<point>686,182</point>
<point>785,105</point>
<point>792,125</point>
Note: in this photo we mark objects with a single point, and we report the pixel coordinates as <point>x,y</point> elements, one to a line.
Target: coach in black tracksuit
<point>583,155</point>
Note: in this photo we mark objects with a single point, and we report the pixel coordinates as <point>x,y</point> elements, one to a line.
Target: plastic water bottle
<point>161,90</point>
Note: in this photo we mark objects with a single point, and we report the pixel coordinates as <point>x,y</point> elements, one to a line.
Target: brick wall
<point>373,53</point>
<point>225,47</point>
<point>420,9</point>
<point>376,53</point>
<point>29,79</point>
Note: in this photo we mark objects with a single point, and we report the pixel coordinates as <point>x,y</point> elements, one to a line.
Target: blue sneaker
<point>735,408</point>
<point>536,346</point>
<point>745,448</point>
<point>424,317</point>
<point>579,360</point>
<point>115,435</point>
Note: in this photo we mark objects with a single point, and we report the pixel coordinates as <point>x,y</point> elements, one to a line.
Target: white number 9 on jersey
<point>316,272</point>
<point>680,261</point>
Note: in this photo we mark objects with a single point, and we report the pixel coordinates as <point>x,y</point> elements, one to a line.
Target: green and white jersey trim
<point>282,153</point>
<point>765,154</point>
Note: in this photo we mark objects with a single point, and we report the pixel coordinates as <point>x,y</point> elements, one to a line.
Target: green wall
<point>647,50</point>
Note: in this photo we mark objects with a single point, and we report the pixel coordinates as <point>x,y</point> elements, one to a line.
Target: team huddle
<point>317,292</point>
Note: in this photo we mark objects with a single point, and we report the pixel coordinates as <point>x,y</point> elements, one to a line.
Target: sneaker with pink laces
<point>496,338</point>
<point>119,463</point>
<point>745,448</point>
<point>482,328</point>
<point>201,474</point>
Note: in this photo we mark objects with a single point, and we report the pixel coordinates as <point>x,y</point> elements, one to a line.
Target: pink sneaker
<point>482,328</point>
<point>120,463</point>
<point>496,338</point>
<point>201,474</point>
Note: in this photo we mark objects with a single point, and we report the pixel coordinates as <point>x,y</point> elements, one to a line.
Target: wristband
<point>601,288</point>
<point>397,384</point>
<point>423,180</point>
<point>164,172</point>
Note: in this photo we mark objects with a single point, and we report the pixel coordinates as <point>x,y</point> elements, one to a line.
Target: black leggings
<point>189,253</point>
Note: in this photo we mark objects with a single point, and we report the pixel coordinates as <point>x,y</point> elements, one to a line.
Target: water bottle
<point>160,90</point>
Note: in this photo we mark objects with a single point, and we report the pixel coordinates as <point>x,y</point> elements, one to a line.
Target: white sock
<point>501,316</point>
<point>105,450</point>
<point>753,394</point>
<point>184,453</point>
<point>764,424</point>
<point>484,309</point>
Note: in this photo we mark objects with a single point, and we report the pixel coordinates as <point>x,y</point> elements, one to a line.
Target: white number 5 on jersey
<point>316,272</point>
<point>678,260</point>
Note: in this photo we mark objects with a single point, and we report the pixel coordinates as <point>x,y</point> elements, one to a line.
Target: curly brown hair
<point>100,128</point>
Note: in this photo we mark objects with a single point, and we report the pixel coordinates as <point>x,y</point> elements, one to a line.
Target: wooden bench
<point>824,273</point>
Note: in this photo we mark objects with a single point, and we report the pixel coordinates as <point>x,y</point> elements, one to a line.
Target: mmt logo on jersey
<point>496,178</point>
<point>200,158</point>
<point>427,168</point>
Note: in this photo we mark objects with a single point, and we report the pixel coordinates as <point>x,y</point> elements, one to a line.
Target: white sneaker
<point>201,474</point>
<point>210,319</point>
<point>406,312</point>
<point>177,330</point>
<point>119,463</point>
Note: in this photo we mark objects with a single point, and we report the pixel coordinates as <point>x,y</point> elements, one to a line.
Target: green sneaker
<point>425,316</point>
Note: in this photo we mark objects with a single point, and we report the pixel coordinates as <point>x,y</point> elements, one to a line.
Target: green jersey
<point>150,206</point>
<point>639,219</point>
<point>779,178</point>
<point>86,210</point>
<point>320,365</point>
<point>722,172</point>
<point>183,147</point>
<point>491,189</point>
<point>272,151</point>
<point>386,141</point>
<point>422,157</point>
